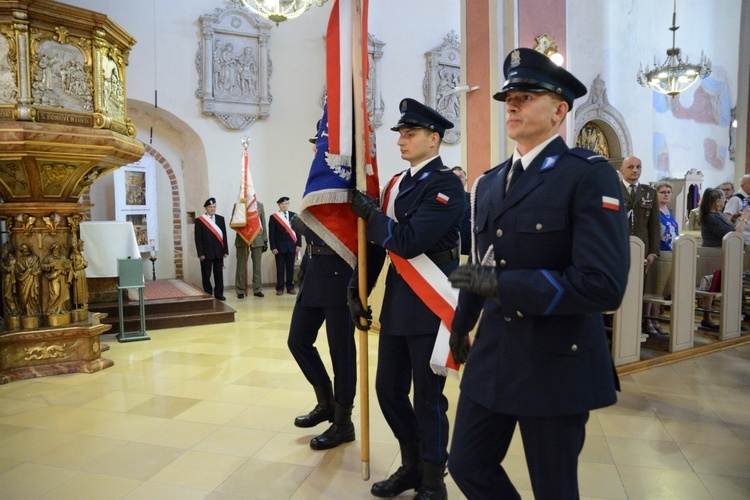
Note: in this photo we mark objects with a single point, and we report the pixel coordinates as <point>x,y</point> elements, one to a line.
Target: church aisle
<point>207,412</point>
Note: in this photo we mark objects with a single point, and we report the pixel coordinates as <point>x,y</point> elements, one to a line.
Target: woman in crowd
<point>714,225</point>
<point>669,231</point>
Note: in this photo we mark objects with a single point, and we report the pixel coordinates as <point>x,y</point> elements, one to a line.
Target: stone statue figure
<point>10,292</point>
<point>79,265</point>
<point>246,72</point>
<point>29,271</point>
<point>58,272</point>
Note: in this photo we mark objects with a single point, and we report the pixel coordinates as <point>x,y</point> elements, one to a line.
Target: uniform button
<point>539,226</point>
<point>574,348</point>
<point>499,233</point>
<point>503,263</point>
<point>506,318</point>
<point>519,314</point>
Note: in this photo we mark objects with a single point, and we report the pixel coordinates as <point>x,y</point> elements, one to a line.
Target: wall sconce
<point>547,46</point>
<point>463,89</point>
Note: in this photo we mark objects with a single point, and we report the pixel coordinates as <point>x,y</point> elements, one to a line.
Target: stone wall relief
<point>599,126</point>
<point>62,73</point>
<point>375,104</point>
<point>8,87</point>
<point>442,76</point>
<point>234,67</point>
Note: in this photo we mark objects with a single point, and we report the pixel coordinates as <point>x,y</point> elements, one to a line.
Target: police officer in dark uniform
<point>422,211</point>
<point>552,254</point>
<point>323,297</point>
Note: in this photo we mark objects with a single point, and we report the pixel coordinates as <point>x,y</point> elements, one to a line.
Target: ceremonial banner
<point>247,192</point>
<point>325,203</point>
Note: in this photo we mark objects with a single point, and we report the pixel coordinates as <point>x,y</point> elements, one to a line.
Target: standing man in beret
<point>551,255</point>
<point>212,247</point>
<point>285,245</point>
<point>418,226</point>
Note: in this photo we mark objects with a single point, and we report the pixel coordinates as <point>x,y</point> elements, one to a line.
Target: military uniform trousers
<point>240,282</point>
<point>303,332</point>
<point>401,357</point>
<point>481,439</point>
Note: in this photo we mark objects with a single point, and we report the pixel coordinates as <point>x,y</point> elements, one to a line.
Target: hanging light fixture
<point>280,10</point>
<point>675,75</point>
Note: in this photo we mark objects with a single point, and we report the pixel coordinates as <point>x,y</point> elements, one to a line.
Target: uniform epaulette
<point>587,154</point>
<point>444,169</point>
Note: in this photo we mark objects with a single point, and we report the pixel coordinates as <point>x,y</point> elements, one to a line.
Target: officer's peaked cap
<point>414,114</point>
<point>527,70</point>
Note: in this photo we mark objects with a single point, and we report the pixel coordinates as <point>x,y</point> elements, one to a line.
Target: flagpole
<point>359,147</point>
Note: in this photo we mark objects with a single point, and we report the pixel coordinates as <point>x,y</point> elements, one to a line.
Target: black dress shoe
<point>240,295</point>
<point>221,297</point>
<point>259,294</point>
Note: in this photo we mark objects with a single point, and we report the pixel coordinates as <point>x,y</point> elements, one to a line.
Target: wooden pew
<point>626,323</point>
<point>671,283</point>
<point>729,258</point>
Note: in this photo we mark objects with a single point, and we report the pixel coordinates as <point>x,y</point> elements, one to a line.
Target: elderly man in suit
<point>551,254</point>
<point>285,245</point>
<point>211,245</point>
<point>420,219</point>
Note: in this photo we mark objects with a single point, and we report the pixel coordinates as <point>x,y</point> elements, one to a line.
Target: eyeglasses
<point>727,190</point>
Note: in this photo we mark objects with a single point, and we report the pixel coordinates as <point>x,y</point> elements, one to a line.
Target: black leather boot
<point>408,476</point>
<point>433,484</point>
<point>342,430</point>
<point>323,410</point>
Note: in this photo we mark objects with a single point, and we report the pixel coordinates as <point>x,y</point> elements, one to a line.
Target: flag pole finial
<point>245,141</point>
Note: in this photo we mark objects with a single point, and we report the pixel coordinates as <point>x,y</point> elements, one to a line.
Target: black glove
<point>475,278</point>
<point>459,347</point>
<point>265,248</point>
<point>364,206</point>
<point>357,310</point>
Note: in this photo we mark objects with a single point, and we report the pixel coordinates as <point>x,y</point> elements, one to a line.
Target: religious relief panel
<point>375,105</point>
<point>443,75</point>
<point>13,181</point>
<point>61,76</point>
<point>234,67</point>
<point>8,87</point>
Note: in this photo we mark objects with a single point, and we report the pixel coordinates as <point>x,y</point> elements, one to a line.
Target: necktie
<point>515,173</point>
<point>632,192</point>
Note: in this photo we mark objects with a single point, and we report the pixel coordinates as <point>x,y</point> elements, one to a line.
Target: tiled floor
<point>206,412</point>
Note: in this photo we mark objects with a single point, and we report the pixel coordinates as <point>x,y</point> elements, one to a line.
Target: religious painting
<point>140,227</point>
<point>135,188</point>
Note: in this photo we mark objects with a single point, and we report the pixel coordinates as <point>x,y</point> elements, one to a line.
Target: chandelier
<point>280,10</point>
<point>675,75</point>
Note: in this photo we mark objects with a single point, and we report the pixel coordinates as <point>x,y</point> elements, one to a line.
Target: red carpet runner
<point>166,289</point>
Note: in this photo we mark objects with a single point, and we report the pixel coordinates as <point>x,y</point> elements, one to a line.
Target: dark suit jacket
<point>207,244</point>
<point>645,223</point>
<point>326,276</point>
<point>561,255</point>
<point>279,238</point>
<point>426,226</point>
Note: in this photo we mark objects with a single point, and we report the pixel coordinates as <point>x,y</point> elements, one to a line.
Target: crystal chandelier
<point>675,75</point>
<point>280,10</point>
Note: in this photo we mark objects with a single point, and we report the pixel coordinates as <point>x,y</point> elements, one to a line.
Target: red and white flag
<point>325,203</point>
<point>252,227</point>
